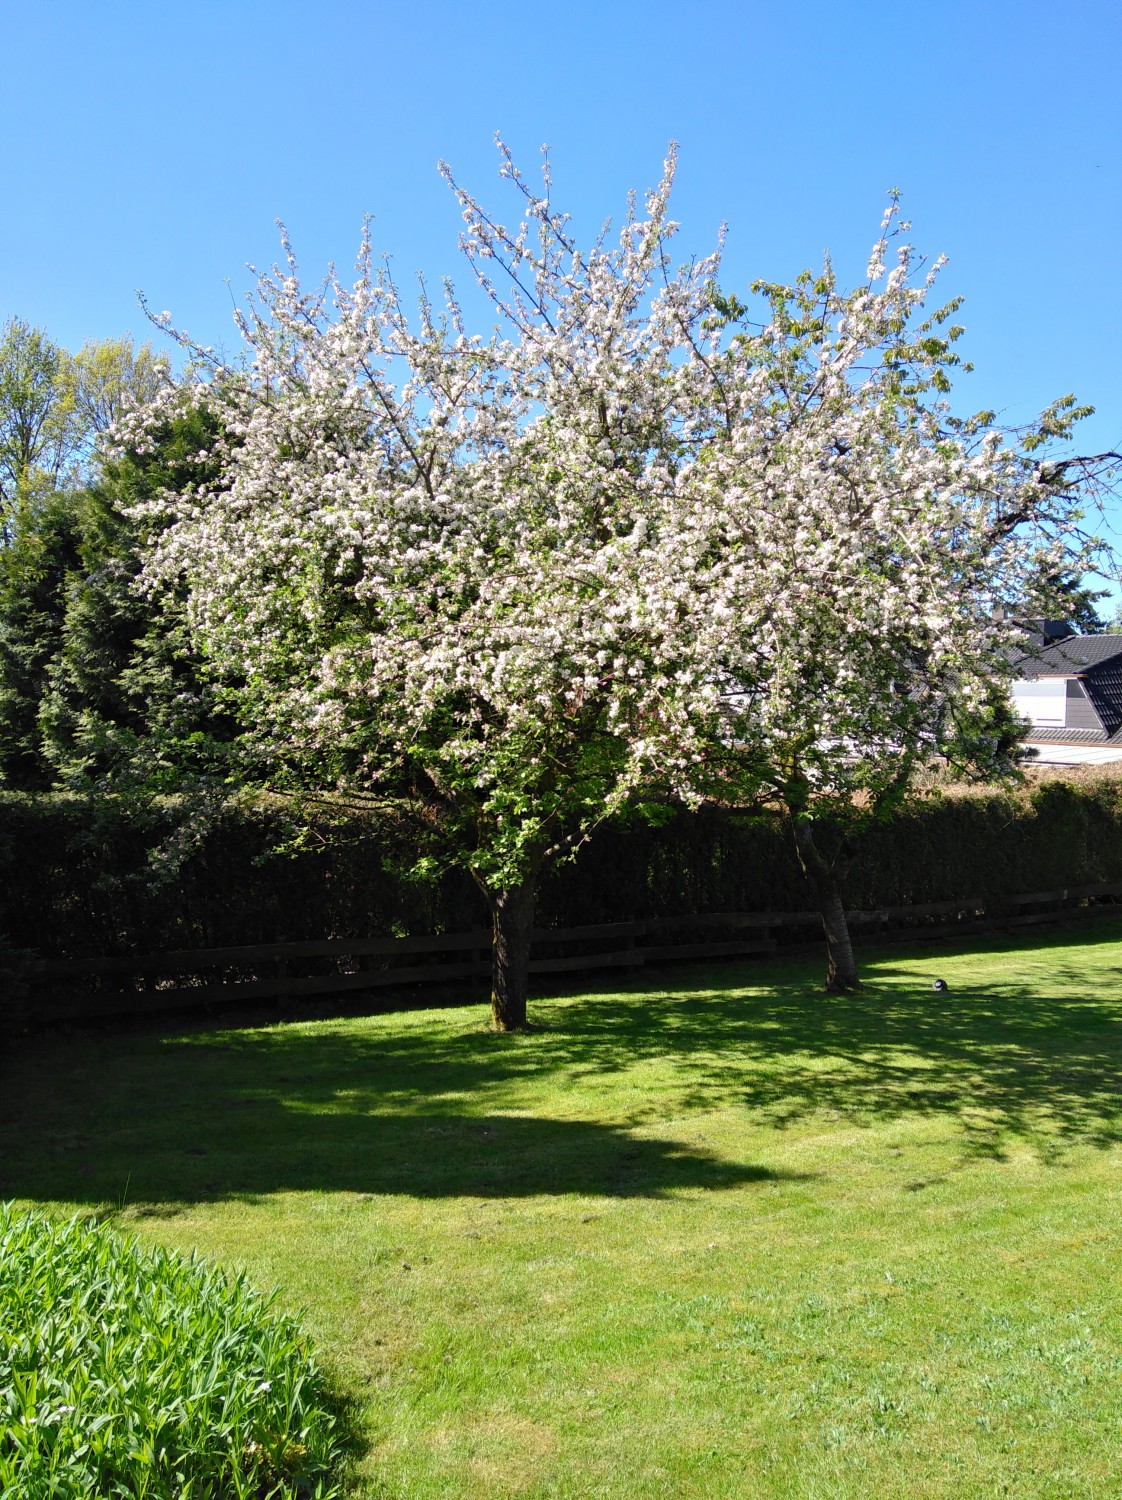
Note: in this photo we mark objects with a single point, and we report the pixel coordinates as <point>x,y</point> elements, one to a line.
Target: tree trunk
<point>512,915</point>
<point>841,967</point>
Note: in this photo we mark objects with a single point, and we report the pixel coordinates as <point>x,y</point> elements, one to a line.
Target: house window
<point>1043,702</point>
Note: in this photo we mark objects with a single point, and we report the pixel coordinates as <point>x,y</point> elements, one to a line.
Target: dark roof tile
<point>1070,657</point>
<point>1103,685</point>
<point>1050,736</point>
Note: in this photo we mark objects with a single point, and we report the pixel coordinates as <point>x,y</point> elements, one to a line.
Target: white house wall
<point>1074,755</point>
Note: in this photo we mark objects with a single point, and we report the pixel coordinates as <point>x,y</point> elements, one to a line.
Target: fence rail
<point>72,989</point>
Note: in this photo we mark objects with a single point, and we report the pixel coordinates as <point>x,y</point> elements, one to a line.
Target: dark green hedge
<point>949,846</point>
<point>78,877</point>
<point>75,877</point>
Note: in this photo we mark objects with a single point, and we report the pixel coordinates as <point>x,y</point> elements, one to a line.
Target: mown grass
<point>714,1235</point>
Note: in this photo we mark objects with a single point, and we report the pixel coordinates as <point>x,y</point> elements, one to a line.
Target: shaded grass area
<point>712,1235</point>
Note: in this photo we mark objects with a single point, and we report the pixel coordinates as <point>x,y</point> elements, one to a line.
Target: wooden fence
<point>66,990</point>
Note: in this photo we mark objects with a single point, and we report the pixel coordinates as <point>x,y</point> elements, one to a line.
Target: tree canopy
<point>54,406</point>
<point>642,536</point>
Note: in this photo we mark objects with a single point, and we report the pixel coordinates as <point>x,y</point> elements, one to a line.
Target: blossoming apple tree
<point>626,540</point>
<point>851,539</point>
<point>446,557</point>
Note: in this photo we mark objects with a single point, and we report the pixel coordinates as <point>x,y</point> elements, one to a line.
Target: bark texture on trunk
<point>841,967</point>
<point>512,916</point>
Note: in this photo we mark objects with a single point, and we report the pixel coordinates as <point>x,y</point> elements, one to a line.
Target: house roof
<point>1071,657</point>
<point>1050,736</point>
<point>1096,660</point>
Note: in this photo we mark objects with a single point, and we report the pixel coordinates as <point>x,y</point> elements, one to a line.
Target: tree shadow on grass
<point>435,1106</point>
<point>276,1111</point>
<point>1040,1061</point>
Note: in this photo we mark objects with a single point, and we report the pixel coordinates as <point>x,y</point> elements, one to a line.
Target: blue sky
<point>151,146</point>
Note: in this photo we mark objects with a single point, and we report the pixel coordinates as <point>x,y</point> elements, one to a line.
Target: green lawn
<point>714,1235</point>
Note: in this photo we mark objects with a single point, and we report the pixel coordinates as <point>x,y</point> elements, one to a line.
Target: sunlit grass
<point>715,1235</point>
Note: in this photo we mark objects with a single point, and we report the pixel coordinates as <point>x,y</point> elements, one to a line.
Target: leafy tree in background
<point>111,376</point>
<point>40,430</point>
<point>54,407</point>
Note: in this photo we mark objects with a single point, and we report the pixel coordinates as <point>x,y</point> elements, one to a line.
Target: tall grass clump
<point>133,1372</point>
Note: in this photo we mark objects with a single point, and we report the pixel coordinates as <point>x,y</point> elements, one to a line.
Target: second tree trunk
<point>841,967</point>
